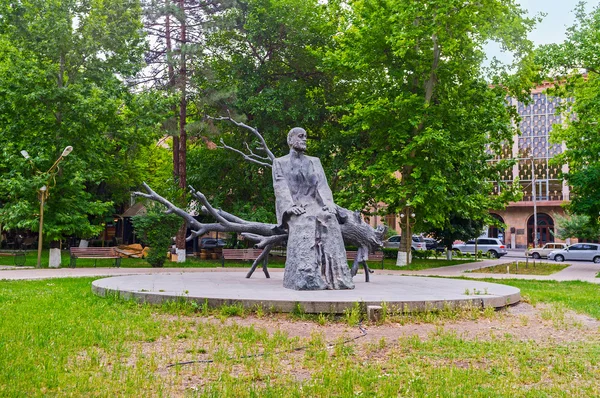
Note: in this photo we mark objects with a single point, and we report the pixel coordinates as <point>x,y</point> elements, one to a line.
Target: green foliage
<point>576,226</point>
<point>458,227</point>
<point>424,254</point>
<point>157,229</point>
<point>264,68</point>
<point>580,130</point>
<point>390,232</point>
<point>62,70</point>
<point>416,115</point>
<point>238,187</point>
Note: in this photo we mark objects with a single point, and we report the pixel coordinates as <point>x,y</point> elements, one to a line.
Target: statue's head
<point>297,139</point>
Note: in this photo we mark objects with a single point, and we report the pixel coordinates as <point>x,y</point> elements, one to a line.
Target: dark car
<point>211,243</point>
<point>433,244</point>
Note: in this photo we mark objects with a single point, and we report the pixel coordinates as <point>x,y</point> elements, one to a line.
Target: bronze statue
<point>316,257</point>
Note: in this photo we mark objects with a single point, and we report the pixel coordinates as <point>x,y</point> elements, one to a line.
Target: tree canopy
<point>61,69</point>
<point>418,124</point>
<point>391,93</point>
<point>574,66</point>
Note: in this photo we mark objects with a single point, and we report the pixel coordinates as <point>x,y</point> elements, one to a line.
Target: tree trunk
<point>181,167</point>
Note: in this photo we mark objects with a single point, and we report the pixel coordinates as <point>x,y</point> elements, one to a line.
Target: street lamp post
<point>533,197</point>
<point>408,221</point>
<point>43,195</point>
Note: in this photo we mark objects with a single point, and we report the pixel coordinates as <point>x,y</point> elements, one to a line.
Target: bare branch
<point>251,227</point>
<point>264,241</point>
<point>248,158</point>
<point>252,129</point>
<point>253,154</point>
<point>171,208</point>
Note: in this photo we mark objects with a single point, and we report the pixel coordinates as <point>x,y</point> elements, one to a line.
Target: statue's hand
<point>296,210</point>
<point>329,209</point>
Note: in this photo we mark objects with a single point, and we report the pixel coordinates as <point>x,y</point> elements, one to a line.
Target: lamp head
<point>67,151</point>
<point>25,154</point>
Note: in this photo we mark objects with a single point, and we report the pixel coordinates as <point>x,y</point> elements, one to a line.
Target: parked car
<point>433,244</point>
<point>539,252</point>
<point>578,251</point>
<point>491,246</point>
<point>418,242</point>
<point>211,243</point>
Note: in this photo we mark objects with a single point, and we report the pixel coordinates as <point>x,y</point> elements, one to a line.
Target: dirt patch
<point>235,343</point>
<point>522,321</point>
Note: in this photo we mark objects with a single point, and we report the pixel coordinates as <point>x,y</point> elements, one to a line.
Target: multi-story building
<point>544,192</point>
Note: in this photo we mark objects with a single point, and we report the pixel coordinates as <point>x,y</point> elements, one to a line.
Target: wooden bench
<point>18,256</point>
<point>240,254</point>
<point>377,256</point>
<point>95,253</point>
<point>29,242</point>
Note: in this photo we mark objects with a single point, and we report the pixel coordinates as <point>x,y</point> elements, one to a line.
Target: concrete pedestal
<point>404,293</point>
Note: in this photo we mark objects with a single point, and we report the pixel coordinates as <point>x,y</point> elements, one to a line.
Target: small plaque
<point>520,232</point>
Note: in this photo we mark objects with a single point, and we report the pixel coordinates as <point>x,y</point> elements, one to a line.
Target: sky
<point>552,29</point>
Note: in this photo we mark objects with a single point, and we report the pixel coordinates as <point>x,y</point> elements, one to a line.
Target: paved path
<point>583,271</point>
<point>578,270</point>
<point>19,273</point>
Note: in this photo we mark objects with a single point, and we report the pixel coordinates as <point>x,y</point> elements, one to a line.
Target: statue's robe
<point>316,257</point>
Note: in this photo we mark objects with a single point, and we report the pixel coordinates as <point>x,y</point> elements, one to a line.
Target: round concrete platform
<point>220,288</point>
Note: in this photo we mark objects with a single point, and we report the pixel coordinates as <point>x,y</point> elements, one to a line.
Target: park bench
<point>240,254</point>
<point>95,253</point>
<point>18,256</point>
<point>377,256</point>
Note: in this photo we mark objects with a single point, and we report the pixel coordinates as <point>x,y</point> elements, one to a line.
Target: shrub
<point>157,229</point>
<point>390,252</point>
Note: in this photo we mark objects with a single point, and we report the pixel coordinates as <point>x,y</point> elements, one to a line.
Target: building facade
<point>544,192</point>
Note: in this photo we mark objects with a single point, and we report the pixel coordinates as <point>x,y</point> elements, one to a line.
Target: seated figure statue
<point>316,257</point>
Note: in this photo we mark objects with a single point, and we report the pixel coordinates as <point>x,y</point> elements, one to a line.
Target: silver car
<point>578,251</point>
<point>418,243</point>
<point>492,246</point>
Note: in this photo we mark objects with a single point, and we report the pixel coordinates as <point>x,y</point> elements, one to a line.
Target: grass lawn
<point>58,339</point>
<point>537,268</point>
<point>578,296</point>
<point>195,262</point>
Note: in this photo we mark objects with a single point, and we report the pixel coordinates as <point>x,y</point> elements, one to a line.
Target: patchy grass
<point>523,268</point>
<point>581,297</point>
<point>58,339</point>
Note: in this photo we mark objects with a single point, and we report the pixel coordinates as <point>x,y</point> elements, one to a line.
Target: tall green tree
<point>265,68</point>
<point>419,122</point>
<point>575,67</point>
<point>178,33</point>
<point>62,70</point>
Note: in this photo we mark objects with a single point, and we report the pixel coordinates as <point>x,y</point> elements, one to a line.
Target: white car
<point>539,252</point>
<point>579,251</point>
<point>492,246</point>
